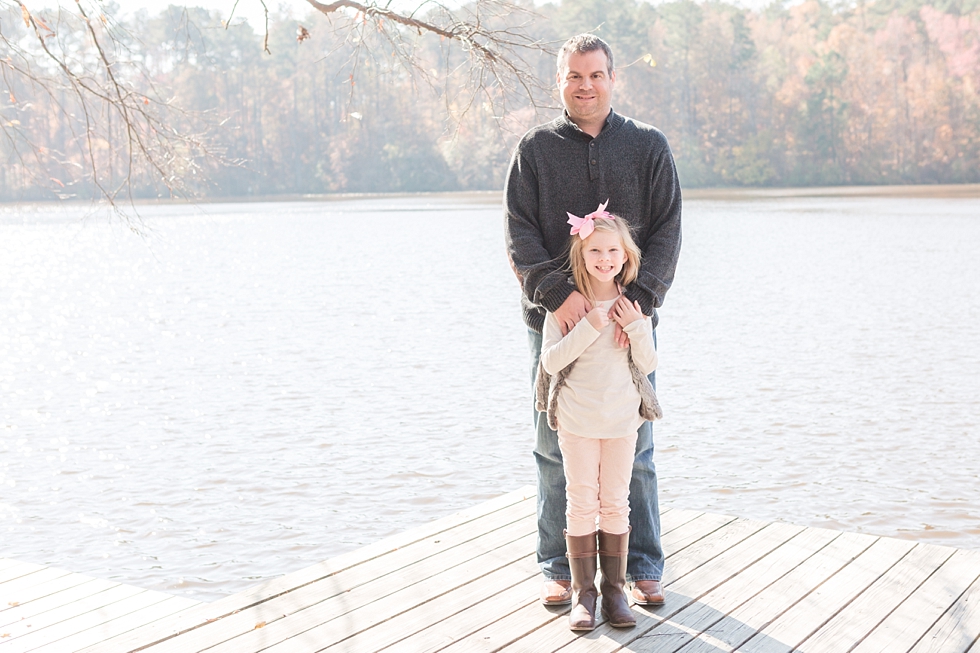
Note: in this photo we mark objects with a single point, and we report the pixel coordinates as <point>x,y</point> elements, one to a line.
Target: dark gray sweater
<point>557,168</point>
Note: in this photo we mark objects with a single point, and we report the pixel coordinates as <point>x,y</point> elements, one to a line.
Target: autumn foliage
<point>809,94</point>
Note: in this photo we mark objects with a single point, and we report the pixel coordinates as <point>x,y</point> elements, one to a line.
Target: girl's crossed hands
<point>625,312</point>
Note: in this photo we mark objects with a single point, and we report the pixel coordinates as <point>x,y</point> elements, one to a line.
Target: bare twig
<point>496,55</point>
<point>104,102</point>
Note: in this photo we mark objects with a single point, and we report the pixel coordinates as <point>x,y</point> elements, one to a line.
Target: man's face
<point>586,86</point>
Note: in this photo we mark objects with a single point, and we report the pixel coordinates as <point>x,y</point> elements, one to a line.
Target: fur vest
<point>547,388</point>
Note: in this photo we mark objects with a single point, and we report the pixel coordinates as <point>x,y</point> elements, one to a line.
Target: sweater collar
<point>565,126</point>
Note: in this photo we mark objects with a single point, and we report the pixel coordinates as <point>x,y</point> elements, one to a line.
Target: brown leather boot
<point>613,550</point>
<point>582,561</point>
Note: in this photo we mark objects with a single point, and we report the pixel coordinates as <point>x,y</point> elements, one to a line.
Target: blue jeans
<point>646,557</point>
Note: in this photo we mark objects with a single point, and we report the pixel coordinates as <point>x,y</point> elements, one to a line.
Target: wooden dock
<point>50,609</point>
<point>469,583</point>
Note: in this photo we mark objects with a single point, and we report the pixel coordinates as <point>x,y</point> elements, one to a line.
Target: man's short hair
<point>580,45</point>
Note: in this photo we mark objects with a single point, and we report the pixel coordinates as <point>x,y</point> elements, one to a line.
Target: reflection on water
<point>258,387</point>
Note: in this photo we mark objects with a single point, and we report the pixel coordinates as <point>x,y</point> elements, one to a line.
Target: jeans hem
<point>557,577</point>
<point>634,579</point>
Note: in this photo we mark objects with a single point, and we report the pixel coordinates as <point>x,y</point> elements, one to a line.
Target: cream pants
<point>597,482</point>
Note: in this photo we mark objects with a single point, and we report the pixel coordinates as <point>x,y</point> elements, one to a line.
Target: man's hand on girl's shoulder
<point>574,308</point>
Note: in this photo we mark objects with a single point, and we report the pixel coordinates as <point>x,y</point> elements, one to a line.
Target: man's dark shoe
<point>647,592</point>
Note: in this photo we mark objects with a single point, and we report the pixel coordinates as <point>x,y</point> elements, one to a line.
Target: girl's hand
<point>598,318</point>
<point>625,312</point>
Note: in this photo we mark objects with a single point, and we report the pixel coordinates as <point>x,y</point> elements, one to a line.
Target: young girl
<point>597,394</point>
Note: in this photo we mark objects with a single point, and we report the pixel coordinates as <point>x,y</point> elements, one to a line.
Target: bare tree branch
<point>496,55</point>
<point>105,102</point>
<point>118,134</point>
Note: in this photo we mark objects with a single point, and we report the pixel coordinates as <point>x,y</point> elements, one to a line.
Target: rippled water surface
<point>253,388</point>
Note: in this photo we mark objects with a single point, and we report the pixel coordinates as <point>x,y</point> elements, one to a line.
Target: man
<point>574,163</point>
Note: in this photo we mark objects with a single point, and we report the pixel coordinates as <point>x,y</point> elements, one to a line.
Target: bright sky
<point>248,9</point>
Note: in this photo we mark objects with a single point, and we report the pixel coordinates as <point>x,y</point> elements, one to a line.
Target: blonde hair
<point>576,258</point>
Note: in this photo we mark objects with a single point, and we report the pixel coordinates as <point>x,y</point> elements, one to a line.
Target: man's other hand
<point>621,337</point>
<point>575,307</point>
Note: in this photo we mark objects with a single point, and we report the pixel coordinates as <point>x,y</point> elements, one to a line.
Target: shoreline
<point>938,191</point>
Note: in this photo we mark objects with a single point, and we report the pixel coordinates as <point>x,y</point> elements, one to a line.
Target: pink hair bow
<point>585,226</point>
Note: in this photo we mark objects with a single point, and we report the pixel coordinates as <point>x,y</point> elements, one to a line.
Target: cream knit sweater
<point>599,399</point>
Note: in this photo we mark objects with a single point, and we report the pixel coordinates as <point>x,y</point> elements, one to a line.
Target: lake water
<point>253,388</point>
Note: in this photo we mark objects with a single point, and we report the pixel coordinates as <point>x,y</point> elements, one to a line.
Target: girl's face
<point>604,255</point>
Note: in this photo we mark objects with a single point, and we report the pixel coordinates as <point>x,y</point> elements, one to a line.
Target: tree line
<point>817,93</point>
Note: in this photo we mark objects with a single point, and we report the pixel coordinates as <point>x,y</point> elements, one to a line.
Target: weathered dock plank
<point>315,630</point>
<point>927,603</point>
<point>125,619</point>
<point>485,613</point>
<point>709,610</point>
<point>957,629</point>
<point>63,594</point>
<point>697,570</point>
<point>25,587</point>
<point>417,597</point>
<point>98,624</point>
<point>66,616</point>
<point>7,562</point>
<point>50,610</point>
<point>211,613</point>
<point>469,583</point>
<point>743,622</point>
<point>827,599</point>
<point>472,618</point>
<point>679,530</point>
<point>18,570</point>
<point>852,625</point>
<point>355,597</point>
